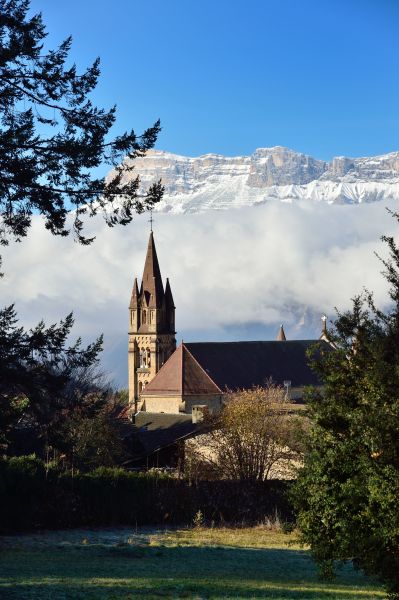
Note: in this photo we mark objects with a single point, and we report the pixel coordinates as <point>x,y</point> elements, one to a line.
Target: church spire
<point>152,286</point>
<point>281,335</point>
<point>168,295</point>
<point>151,326</point>
<point>134,300</point>
<point>324,333</point>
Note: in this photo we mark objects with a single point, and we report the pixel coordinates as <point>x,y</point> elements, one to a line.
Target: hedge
<point>33,497</point>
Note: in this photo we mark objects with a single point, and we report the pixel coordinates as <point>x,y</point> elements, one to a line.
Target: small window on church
<point>140,387</point>
<point>148,357</point>
<point>144,316</point>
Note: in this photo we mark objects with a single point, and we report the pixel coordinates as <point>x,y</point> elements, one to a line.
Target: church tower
<point>151,326</point>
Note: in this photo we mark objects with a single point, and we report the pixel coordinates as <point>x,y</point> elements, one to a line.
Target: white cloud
<point>263,265</point>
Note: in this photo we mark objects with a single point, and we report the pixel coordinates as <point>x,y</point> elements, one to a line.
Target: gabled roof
<point>242,365</point>
<point>181,375</point>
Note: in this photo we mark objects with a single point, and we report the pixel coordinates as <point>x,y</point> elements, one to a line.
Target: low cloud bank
<point>233,273</point>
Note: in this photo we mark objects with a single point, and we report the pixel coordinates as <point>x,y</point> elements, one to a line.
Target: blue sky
<point>228,76</point>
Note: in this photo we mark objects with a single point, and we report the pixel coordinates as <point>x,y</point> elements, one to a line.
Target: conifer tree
<point>52,137</point>
<point>347,493</point>
<point>36,370</point>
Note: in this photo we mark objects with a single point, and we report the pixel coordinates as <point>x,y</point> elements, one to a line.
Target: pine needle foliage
<point>37,367</point>
<point>52,137</point>
<point>347,494</point>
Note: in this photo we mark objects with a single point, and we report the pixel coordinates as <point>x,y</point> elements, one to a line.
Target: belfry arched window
<point>144,316</point>
<point>148,361</point>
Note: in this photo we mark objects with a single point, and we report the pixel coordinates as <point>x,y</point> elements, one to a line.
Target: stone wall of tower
<point>151,327</point>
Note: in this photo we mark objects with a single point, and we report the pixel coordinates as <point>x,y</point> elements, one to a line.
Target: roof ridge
<point>315,340</point>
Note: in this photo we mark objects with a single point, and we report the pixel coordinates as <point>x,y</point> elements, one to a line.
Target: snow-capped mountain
<point>214,181</point>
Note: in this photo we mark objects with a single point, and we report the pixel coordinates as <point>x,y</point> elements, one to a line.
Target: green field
<point>122,564</point>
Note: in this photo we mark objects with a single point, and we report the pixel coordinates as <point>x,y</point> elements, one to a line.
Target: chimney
<point>199,412</point>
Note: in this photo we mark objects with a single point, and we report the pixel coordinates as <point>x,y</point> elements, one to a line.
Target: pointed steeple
<point>281,335</point>
<point>324,333</point>
<point>134,301</point>
<point>152,286</point>
<point>168,295</point>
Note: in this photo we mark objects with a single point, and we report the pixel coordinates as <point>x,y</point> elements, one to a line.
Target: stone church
<point>164,380</point>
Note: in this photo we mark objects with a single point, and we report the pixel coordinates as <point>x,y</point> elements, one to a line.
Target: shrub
<point>33,497</point>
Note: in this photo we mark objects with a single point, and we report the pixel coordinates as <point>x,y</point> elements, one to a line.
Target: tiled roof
<point>242,365</point>
<point>181,375</point>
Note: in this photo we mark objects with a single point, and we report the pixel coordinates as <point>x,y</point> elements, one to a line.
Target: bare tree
<point>253,438</point>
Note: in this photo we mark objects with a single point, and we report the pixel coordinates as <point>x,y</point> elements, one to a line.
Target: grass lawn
<point>122,564</point>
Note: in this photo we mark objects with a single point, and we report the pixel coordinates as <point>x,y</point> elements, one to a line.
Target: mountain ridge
<point>215,181</point>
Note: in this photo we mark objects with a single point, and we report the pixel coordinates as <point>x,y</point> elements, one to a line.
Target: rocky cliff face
<point>220,182</point>
<point>281,166</point>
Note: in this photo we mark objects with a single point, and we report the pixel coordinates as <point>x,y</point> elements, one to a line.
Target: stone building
<point>163,380</point>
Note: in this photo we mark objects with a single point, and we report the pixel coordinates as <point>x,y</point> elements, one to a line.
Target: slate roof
<point>236,365</point>
<point>159,430</point>
<point>181,375</point>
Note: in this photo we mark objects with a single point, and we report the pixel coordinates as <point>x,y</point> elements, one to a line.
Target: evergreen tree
<point>37,369</point>
<point>52,137</point>
<point>347,493</point>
